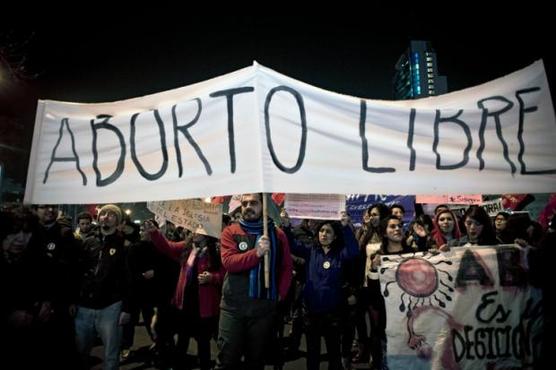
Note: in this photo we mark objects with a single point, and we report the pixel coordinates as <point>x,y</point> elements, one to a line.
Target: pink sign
<point>450,199</point>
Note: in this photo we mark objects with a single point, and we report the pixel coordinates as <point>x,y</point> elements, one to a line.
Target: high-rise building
<point>416,73</point>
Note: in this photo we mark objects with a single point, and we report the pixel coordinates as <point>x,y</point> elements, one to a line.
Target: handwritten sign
<point>466,309</point>
<point>194,215</point>
<point>450,199</point>
<point>493,206</point>
<point>255,130</point>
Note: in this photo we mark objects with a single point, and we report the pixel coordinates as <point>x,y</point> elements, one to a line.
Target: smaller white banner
<point>316,206</point>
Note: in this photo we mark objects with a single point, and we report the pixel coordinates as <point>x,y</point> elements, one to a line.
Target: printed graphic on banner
<point>470,308</point>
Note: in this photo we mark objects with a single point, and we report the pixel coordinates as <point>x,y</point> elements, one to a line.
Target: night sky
<point>109,58</point>
<point>106,60</point>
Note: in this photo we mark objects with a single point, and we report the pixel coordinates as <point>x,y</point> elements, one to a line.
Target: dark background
<point>106,57</point>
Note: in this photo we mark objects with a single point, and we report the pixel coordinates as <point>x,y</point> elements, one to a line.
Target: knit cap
<point>112,208</point>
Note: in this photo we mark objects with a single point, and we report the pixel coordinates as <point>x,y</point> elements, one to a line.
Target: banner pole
<point>265,233</point>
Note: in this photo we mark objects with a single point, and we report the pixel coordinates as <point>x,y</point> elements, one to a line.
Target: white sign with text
<point>255,130</point>
<point>315,206</point>
<point>193,214</point>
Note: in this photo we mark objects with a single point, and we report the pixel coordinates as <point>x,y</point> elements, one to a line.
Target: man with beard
<point>248,308</point>
<point>104,291</point>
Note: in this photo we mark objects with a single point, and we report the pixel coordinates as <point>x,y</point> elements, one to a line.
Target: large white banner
<point>471,308</point>
<point>258,130</point>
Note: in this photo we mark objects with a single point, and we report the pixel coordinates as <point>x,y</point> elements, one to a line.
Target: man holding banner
<point>248,307</point>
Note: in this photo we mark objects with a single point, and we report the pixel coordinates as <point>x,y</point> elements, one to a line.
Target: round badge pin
<point>51,246</point>
<point>243,246</point>
<point>326,265</point>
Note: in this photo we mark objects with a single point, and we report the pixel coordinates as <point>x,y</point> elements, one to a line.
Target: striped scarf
<point>256,274</point>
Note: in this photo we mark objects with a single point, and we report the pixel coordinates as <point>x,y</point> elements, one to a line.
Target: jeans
<point>105,322</point>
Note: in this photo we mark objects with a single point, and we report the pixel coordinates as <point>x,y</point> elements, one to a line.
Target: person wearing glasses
<point>248,306</point>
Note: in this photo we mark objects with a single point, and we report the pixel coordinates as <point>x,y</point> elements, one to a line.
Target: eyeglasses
<point>247,203</point>
<point>46,206</point>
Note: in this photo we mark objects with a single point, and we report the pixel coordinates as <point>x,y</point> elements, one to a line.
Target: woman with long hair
<point>418,235</point>
<point>478,228</point>
<point>323,296</point>
<point>446,229</point>
<point>393,242</point>
<point>369,232</point>
<point>198,289</point>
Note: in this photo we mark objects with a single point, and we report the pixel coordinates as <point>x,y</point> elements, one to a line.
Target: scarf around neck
<point>256,274</point>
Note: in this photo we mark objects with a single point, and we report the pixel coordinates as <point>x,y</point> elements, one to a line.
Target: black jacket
<point>105,277</point>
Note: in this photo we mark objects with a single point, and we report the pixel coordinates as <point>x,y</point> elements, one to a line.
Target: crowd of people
<point>63,290</point>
